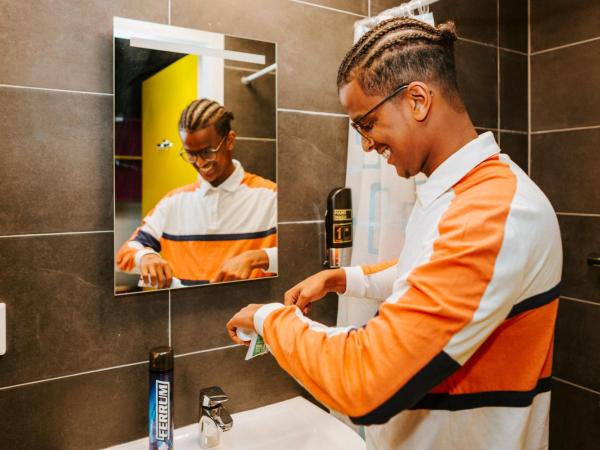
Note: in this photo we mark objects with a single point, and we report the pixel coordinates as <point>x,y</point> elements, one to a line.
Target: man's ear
<point>419,96</point>
<point>231,139</point>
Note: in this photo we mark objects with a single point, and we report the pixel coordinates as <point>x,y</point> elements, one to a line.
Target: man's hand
<point>315,288</point>
<point>243,319</point>
<point>156,271</point>
<point>241,266</point>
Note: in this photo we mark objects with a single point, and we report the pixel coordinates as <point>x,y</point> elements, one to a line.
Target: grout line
<point>502,130</point>
<point>369,8</point>
<point>170,340</point>
<point>65,233</point>
<point>169,12</point>
<point>529,87</point>
<point>313,113</point>
<point>485,44</point>
<point>302,2</point>
<point>560,130</point>
<point>88,372</point>
<point>510,50</point>
<point>577,214</point>
<point>242,138</point>
<point>578,300</point>
<point>225,347</point>
<point>69,91</point>
<point>29,383</point>
<point>560,47</point>
<point>576,385</point>
<point>301,222</point>
<point>498,81</point>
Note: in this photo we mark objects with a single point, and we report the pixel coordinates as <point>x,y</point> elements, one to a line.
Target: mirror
<point>195,154</point>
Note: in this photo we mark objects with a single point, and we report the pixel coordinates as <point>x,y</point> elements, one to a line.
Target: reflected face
<point>390,127</point>
<point>219,169</point>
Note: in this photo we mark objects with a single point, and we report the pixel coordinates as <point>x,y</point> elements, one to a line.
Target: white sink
<point>294,424</point>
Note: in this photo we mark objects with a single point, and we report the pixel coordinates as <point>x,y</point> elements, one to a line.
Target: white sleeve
<point>377,285</point>
<point>273,262</point>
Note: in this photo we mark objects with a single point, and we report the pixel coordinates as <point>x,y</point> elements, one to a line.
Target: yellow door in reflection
<point>164,96</point>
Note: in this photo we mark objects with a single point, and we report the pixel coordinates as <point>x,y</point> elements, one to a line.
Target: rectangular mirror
<point>195,154</point>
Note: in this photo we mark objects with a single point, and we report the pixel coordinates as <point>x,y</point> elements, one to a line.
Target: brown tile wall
<point>565,163</point>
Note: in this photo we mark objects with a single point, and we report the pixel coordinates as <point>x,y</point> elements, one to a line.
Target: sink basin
<point>294,424</point>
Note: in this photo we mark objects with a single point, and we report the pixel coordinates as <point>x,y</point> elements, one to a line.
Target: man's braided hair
<point>402,50</point>
<point>202,113</point>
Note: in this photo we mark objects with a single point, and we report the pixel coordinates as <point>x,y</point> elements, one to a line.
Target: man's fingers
<point>152,273</point>
<point>144,273</point>
<point>291,296</point>
<point>160,276</point>
<point>217,278</point>
<point>168,274</point>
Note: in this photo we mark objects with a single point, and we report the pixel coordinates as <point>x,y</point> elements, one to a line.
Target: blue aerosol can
<point>160,405</point>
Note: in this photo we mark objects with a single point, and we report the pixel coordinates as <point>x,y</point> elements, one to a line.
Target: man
<point>459,354</point>
<point>220,228</point>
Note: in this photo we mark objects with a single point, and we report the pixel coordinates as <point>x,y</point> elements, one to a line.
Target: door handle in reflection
<point>593,259</point>
<point>164,144</point>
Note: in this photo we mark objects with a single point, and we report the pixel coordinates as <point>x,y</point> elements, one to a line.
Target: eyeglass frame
<point>197,154</point>
<point>356,123</point>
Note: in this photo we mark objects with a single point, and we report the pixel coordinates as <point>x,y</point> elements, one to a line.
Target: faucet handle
<point>212,397</point>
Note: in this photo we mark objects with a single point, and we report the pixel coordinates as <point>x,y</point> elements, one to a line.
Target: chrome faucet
<point>214,418</point>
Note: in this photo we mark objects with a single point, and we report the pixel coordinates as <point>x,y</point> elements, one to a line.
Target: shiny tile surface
<point>63,44</point>
<point>57,162</point>
<point>564,92</point>
<point>312,162</point>
<point>566,166</point>
<point>61,313</point>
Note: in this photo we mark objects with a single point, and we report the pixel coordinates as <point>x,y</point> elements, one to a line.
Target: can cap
<point>161,359</point>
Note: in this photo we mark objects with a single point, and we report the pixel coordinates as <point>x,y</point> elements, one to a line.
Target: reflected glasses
<point>206,154</point>
<point>357,125</point>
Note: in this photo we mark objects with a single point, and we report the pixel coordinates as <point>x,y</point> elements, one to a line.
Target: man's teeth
<point>386,154</point>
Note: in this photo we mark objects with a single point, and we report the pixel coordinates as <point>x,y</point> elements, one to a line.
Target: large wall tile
<point>580,237</point>
<point>62,317</point>
<point>88,411</point>
<point>65,44</point>
<point>477,73</point>
<point>199,314</point>
<point>474,20</point>
<point>513,91</point>
<point>566,166</point>
<point>577,343</point>
<point>515,145</point>
<point>248,384</point>
<point>254,106</point>
<point>308,53</point>
<point>564,90</point>
<point>560,22</point>
<point>57,162</point>
<point>513,24</point>
<point>259,157</point>
<point>574,418</point>
<point>312,162</point>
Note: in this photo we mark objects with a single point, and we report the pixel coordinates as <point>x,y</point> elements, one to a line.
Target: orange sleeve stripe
<point>374,268</point>
<point>358,371</point>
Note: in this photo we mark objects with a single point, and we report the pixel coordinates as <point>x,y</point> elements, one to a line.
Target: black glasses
<point>207,154</point>
<point>356,124</point>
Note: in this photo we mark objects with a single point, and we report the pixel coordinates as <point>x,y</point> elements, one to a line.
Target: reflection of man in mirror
<point>220,228</point>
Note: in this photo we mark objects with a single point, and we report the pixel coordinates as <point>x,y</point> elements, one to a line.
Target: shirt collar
<point>232,182</point>
<point>453,169</point>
